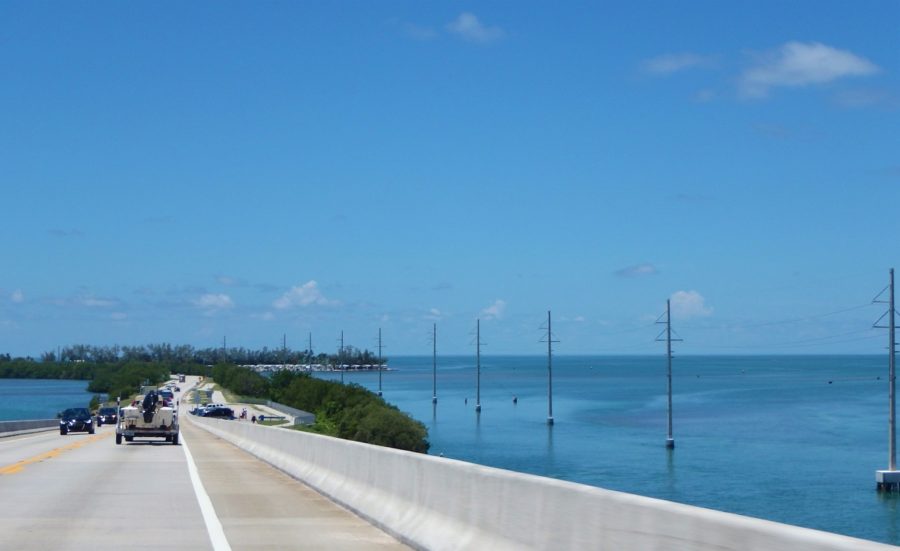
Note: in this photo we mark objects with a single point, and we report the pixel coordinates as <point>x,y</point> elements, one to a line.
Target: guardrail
<point>437,503</point>
<point>300,417</point>
<point>8,428</point>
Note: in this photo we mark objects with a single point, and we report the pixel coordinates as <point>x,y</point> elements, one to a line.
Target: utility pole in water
<point>380,366</point>
<point>550,342</point>
<point>670,439</point>
<point>478,366</point>
<point>889,480</point>
<point>434,363</point>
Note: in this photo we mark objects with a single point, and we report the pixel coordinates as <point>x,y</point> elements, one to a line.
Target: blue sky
<point>179,172</point>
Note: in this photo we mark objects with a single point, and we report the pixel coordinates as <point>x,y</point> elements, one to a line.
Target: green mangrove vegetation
<point>345,411</point>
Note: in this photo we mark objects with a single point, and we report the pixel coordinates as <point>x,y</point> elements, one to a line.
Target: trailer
<point>149,417</point>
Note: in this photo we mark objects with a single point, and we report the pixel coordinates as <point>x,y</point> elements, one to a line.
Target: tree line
<point>184,354</point>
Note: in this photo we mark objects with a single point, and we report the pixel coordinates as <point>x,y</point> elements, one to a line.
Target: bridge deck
<point>260,507</point>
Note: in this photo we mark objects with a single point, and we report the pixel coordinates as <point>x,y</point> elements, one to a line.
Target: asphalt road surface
<point>84,492</point>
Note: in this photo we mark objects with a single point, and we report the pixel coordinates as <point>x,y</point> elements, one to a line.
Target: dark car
<point>107,415</point>
<point>76,419</point>
<point>219,413</point>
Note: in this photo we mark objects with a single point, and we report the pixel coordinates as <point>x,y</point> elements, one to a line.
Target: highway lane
<point>82,491</point>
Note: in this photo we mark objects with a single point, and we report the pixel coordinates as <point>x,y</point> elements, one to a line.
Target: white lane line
<point>213,526</point>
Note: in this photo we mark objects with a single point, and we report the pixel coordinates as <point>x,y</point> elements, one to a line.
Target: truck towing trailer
<point>149,417</point>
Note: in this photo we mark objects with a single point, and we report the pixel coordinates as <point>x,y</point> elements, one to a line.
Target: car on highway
<point>167,396</point>
<point>199,410</point>
<point>76,420</point>
<point>107,415</point>
<point>218,413</point>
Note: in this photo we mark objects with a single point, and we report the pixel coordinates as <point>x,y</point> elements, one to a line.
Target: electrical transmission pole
<point>550,342</point>
<point>478,366</point>
<point>434,363</point>
<point>670,439</point>
<point>379,361</point>
<point>890,479</point>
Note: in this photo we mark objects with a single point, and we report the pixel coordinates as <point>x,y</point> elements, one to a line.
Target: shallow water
<point>40,398</point>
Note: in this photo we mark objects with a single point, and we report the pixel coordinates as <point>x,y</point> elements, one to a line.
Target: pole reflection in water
<point>670,470</point>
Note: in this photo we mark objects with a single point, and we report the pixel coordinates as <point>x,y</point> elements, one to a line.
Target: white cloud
<point>494,311</point>
<point>213,302</point>
<point>668,64</point>
<point>638,270</point>
<point>303,295</point>
<point>17,296</point>
<point>93,302</point>
<point>469,28</point>
<point>798,64</point>
<point>689,304</point>
<point>119,316</point>
<point>434,315</point>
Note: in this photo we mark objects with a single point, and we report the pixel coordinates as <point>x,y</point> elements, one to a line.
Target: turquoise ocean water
<point>40,398</point>
<point>791,439</point>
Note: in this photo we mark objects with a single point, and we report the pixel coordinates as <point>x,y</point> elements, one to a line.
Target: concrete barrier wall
<point>300,417</point>
<point>437,503</point>
<point>32,424</point>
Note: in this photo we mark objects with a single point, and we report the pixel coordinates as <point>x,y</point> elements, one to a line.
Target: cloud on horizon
<point>494,311</point>
<point>798,64</point>
<point>469,28</point>
<point>94,302</point>
<point>211,302</point>
<point>302,295</point>
<point>17,296</point>
<point>689,304</point>
<point>638,270</point>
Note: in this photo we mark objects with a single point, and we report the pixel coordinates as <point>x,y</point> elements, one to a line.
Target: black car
<point>76,419</point>
<point>219,413</point>
<point>107,415</point>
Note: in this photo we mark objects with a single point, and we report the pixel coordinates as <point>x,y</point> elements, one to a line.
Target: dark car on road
<point>76,420</point>
<point>219,413</point>
<point>107,416</point>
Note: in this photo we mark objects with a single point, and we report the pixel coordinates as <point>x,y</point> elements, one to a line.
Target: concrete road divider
<point>437,503</point>
<point>10,428</point>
